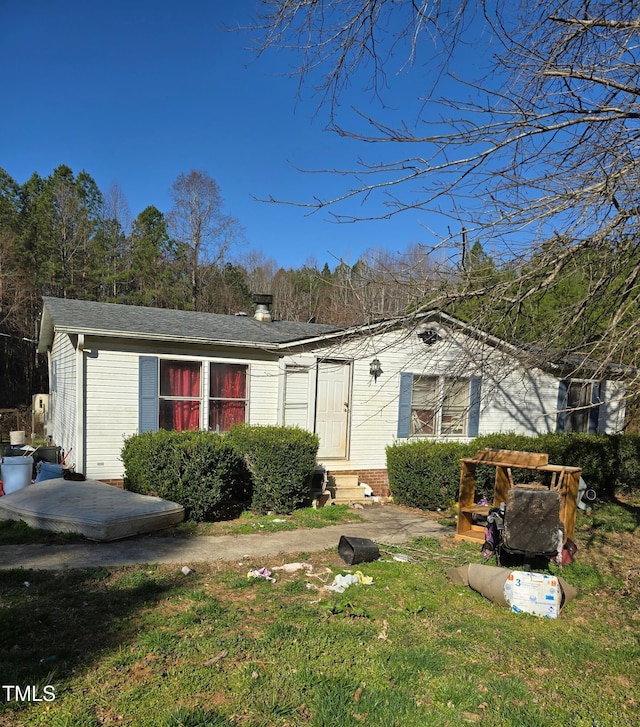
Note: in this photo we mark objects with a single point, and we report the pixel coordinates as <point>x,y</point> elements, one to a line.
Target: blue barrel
<point>48,471</point>
<point>16,473</point>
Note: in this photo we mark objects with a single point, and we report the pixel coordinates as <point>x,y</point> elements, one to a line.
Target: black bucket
<point>357,550</point>
<point>48,454</point>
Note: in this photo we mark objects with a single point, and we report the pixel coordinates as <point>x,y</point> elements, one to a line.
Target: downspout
<point>48,419</point>
<point>80,397</point>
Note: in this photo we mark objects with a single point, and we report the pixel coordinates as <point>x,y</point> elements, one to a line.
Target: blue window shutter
<point>563,394</point>
<point>147,394</point>
<point>404,405</point>
<point>594,412</point>
<point>475,392</point>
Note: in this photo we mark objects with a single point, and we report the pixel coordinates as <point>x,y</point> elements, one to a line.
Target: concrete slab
<point>384,524</point>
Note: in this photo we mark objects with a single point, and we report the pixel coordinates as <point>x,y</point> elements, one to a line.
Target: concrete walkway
<point>384,524</point>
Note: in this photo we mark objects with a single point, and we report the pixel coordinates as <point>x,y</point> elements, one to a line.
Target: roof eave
<point>45,339</point>
<point>139,336</point>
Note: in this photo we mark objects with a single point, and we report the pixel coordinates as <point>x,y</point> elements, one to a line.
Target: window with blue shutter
<point>147,394</point>
<point>578,408</point>
<point>438,406</point>
<point>475,394</point>
<point>561,406</point>
<point>404,405</point>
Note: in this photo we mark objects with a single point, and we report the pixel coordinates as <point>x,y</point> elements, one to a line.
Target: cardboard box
<point>535,593</point>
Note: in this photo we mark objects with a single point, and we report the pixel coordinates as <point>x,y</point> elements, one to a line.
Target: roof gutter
<point>157,337</point>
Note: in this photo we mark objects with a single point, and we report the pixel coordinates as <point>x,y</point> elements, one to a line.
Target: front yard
<point>152,646</point>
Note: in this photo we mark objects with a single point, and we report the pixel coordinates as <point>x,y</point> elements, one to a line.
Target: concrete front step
<point>347,493</point>
<point>341,490</point>
<point>338,480</point>
<point>345,489</point>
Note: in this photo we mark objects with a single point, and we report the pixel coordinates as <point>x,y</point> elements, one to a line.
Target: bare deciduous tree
<point>536,154</point>
<point>198,221</point>
<point>116,226</point>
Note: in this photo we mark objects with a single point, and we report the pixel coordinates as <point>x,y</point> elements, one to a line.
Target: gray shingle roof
<point>129,321</point>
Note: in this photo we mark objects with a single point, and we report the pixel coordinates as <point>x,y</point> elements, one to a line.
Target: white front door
<point>332,407</point>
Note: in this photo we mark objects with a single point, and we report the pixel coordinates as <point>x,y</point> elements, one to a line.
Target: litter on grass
<point>523,592</point>
<point>261,573</point>
<point>294,567</point>
<point>357,550</point>
<point>341,583</point>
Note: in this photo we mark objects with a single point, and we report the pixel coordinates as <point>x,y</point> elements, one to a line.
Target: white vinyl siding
<point>112,403</point>
<point>263,392</point>
<point>111,410</point>
<point>612,413</point>
<point>296,397</point>
<point>513,400</point>
<point>62,400</point>
<point>520,402</point>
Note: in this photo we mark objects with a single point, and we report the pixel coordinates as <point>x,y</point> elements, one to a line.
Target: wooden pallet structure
<point>563,478</point>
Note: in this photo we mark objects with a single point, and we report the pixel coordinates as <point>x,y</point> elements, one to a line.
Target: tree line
<point>62,236</point>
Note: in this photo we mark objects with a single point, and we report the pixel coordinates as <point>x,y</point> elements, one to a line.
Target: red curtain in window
<point>180,379</point>
<point>228,383</point>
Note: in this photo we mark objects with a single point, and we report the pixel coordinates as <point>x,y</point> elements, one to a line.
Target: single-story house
<point>116,370</point>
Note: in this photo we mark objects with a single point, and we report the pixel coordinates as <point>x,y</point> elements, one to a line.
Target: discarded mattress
<point>91,508</point>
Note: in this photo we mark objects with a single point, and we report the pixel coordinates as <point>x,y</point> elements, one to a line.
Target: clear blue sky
<point>137,91</point>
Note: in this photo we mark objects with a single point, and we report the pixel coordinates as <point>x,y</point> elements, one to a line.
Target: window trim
<point>472,409</point>
<point>210,398</point>
<point>443,384</point>
<point>199,399</point>
<point>591,408</point>
<point>149,389</point>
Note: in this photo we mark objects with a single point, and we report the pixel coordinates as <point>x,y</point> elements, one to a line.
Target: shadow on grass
<point>54,623</point>
<point>609,518</point>
<point>633,510</point>
<point>17,532</point>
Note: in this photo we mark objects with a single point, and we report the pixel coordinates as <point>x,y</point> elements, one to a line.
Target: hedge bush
<point>626,462</point>
<point>281,461</point>
<point>199,470</point>
<point>426,474</point>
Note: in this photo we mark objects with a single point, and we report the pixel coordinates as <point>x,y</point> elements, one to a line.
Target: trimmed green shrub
<point>149,461</point>
<point>281,461</point>
<point>626,462</point>
<point>199,470</point>
<point>426,474</point>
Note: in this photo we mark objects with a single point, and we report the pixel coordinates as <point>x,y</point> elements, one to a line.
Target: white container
<point>16,473</point>
<point>16,439</point>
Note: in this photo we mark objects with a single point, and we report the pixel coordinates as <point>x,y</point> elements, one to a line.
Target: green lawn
<point>151,646</point>
<point>15,532</point>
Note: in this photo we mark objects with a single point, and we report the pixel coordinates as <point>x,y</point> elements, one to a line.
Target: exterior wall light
<point>375,369</point>
<point>429,336</point>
